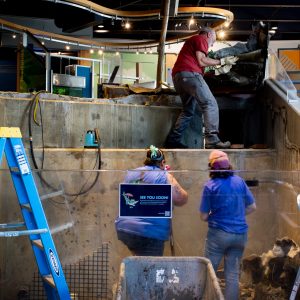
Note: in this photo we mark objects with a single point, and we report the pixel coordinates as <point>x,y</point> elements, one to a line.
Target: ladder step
<point>26,206</point>
<point>38,243</point>
<point>22,232</point>
<point>49,279</point>
<point>52,195</point>
<point>12,225</point>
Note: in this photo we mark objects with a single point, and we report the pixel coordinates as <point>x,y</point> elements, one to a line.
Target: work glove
<point>229,60</point>
<point>223,70</point>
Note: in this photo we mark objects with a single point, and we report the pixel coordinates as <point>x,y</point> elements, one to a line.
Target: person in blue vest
<point>226,200</point>
<point>146,236</point>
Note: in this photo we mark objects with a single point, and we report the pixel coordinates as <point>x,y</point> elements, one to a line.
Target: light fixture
<point>101,30</point>
<point>127,25</point>
<point>100,51</point>
<point>92,51</point>
<point>220,14</point>
<point>137,52</point>
<point>14,36</point>
<point>100,26</point>
<point>67,47</point>
<point>221,34</point>
<point>191,21</point>
<point>117,53</point>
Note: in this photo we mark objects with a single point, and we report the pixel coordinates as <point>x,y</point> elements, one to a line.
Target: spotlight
<point>127,25</point>
<point>192,21</point>
<point>221,34</point>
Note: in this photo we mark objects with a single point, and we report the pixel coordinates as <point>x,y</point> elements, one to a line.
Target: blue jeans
<point>142,246</point>
<point>239,48</point>
<point>193,90</point>
<point>231,246</point>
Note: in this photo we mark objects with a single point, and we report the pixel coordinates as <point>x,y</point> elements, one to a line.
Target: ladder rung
<point>38,243</point>
<point>51,195</point>
<point>22,232</point>
<point>26,206</point>
<point>49,279</point>
<point>12,225</point>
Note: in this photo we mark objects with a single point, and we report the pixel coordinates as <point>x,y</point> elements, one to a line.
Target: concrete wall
<point>83,223</point>
<point>132,122</point>
<point>282,127</point>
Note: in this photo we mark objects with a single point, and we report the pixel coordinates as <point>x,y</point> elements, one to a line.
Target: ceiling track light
<point>153,14</point>
<point>127,25</point>
<point>192,21</point>
<point>221,34</point>
<point>216,13</point>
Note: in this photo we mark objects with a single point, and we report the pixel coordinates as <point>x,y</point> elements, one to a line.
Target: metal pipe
<point>161,46</point>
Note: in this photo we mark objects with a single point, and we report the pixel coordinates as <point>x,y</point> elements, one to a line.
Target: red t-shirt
<point>187,60</point>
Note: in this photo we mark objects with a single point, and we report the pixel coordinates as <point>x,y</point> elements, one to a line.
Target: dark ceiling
<point>283,14</point>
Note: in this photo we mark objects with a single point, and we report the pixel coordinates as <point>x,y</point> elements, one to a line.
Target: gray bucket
<point>167,278</point>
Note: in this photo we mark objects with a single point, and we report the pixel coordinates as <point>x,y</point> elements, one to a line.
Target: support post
<point>161,46</point>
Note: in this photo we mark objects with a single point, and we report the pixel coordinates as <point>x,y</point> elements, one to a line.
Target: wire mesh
<point>87,279</point>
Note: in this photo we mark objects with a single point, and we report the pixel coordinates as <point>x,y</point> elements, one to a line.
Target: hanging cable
<point>35,103</point>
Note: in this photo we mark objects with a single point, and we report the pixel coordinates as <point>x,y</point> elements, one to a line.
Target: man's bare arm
<point>205,61</point>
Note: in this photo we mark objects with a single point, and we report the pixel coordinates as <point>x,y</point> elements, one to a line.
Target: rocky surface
<point>272,274</point>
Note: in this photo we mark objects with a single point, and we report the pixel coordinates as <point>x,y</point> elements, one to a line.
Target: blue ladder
<point>34,217</point>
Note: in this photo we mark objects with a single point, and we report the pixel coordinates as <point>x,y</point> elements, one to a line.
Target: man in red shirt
<point>189,83</point>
